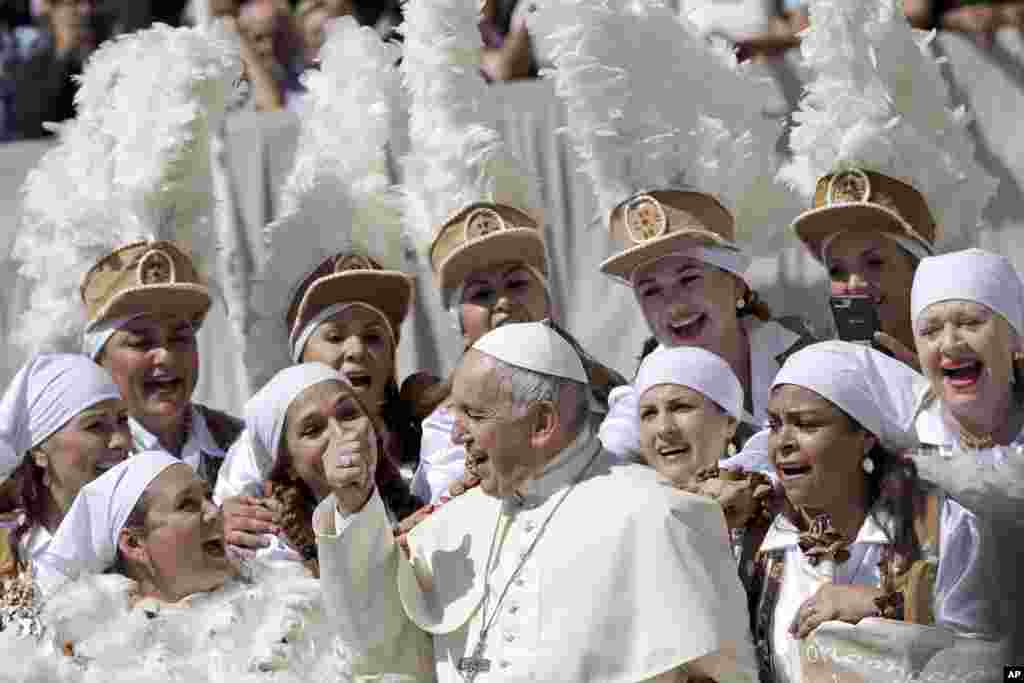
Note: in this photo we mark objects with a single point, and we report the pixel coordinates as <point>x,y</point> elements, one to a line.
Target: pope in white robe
<point>562,566</point>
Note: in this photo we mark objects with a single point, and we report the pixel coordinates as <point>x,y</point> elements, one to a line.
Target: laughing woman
<point>860,545</point>
<point>332,288</point>
<point>303,414</point>
<point>968,335</point>
<point>116,256</point>
<point>62,422</point>
<point>887,180</point>
<point>137,586</point>
<point>475,213</point>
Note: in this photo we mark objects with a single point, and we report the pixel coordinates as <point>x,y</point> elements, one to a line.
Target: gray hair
<point>526,387</point>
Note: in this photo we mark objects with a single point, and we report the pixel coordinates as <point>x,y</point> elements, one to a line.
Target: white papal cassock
<point>631,579</point>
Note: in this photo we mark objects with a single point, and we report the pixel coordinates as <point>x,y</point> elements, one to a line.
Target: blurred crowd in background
<point>43,43</point>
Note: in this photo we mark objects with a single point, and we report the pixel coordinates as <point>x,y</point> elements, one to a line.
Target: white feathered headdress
<point>875,132</point>
<point>469,203</point>
<point>654,107</point>
<point>133,166</point>
<point>337,201</point>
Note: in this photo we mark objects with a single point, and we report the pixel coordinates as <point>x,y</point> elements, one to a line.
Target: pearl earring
<point>868,464</point>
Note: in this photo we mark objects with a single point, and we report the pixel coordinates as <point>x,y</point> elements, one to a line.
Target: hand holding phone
<point>856,318</point>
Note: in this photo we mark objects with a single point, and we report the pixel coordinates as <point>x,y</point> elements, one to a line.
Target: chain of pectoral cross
<point>476,663</point>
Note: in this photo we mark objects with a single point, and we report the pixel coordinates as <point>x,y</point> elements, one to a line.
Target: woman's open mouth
<point>674,453</point>
<point>215,548</point>
<point>359,380</point>
<point>688,328</point>
<point>162,386</point>
<point>961,374</point>
<point>795,470</point>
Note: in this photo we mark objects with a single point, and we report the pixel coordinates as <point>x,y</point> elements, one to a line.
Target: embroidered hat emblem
<point>645,219</point>
<point>849,186</point>
<point>352,262</point>
<point>155,268</point>
<point>482,222</point>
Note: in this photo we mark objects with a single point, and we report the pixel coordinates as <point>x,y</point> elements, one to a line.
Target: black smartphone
<point>856,318</point>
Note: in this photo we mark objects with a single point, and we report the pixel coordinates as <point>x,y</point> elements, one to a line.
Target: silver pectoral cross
<point>470,666</point>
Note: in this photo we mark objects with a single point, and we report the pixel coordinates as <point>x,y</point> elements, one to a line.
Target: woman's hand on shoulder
<point>740,499</point>
<point>835,603</point>
<point>403,528</point>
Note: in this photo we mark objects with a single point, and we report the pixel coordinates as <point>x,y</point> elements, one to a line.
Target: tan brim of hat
<point>514,245</point>
<point>187,299</point>
<point>621,266</point>
<point>389,291</point>
<point>814,226</point>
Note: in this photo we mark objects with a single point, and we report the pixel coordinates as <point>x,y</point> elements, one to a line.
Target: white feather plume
<point>338,197</point>
<point>133,165</point>
<point>652,106</point>
<point>879,102</point>
<point>457,156</point>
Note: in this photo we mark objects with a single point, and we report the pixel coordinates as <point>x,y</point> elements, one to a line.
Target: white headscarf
<point>696,368</point>
<point>877,391</point>
<point>970,275</point>
<point>265,412</point>
<point>44,395</point>
<point>86,540</point>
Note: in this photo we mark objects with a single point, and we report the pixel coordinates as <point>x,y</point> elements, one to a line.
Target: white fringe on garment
<point>652,105</point>
<point>879,102</point>
<point>338,197</point>
<point>457,157</point>
<point>133,165</point>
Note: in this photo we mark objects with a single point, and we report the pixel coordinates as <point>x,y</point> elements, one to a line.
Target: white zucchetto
<point>87,538</point>
<point>265,412</point>
<point>877,391</point>
<point>44,395</point>
<point>536,347</point>
<point>970,275</point>
<point>695,368</point>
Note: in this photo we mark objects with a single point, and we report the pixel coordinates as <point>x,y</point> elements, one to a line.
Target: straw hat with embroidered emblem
<point>338,241</point>
<point>469,204</point>
<point>116,216</point>
<point>876,145</point>
<point>678,161</point>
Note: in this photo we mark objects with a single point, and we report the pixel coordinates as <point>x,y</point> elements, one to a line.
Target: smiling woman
<point>305,418</point>
<point>62,423</point>
<point>137,586</point>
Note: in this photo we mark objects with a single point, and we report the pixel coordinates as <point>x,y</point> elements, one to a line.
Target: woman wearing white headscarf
<point>690,404</point>
<point>301,414</point>
<point>838,412</point>
<point>967,330</point>
<point>138,586</point>
<point>62,422</point>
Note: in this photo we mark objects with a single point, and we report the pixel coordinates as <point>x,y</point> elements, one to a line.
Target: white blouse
<point>801,580</point>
